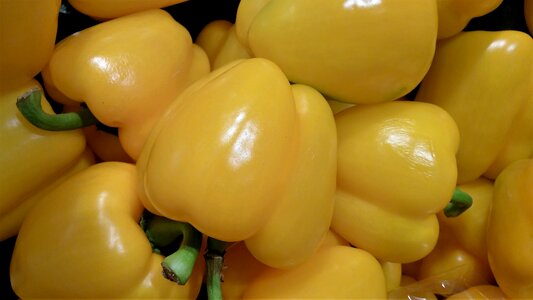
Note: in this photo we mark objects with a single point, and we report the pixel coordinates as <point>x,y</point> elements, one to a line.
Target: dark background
<point>194,15</point>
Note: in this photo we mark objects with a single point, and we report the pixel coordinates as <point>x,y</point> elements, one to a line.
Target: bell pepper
<point>105,9</point>
<point>27,37</point>
<point>241,267</point>
<point>351,51</point>
<point>244,155</point>
<point>459,260</point>
<point>454,15</point>
<point>83,239</point>
<point>480,292</point>
<point>470,77</point>
<point>219,40</point>
<point>337,272</point>
<point>32,159</point>
<point>510,230</point>
<point>125,81</point>
<point>396,170</point>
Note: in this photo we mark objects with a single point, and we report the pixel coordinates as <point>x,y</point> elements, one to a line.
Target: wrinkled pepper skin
<point>244,155</point>
<point>32,159</point>
<point>336,272</point>
<point>510,230</point>
<point>396,170</point>
<point>126,81</point>
<point>83,239</point>
<point>27,37</point>
<point>109,9</point>
<point>352,51</point>
<point>480,292</point>
<point>469,77</point>
<point>454,15</point>
<point>219,41</point>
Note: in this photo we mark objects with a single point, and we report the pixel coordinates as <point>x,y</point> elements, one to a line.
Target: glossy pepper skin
<point>510,230</point>
<point>396,170</point>
<point>219,40</point>
<point>31,159</point>
<point>83,239</point>
<point>25,48</point>
<point>469,77</point>
<point>454,15</point>
<point>109,9</point>
<point>127,82</point>
<point>244,155</point>
<point>352,51</point>
<point>336,272</point>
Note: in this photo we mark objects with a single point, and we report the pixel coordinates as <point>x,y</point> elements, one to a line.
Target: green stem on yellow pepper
<point>29,105</point>
<point>214,259</point>
<point>162,232</point>
<point>459,203</point>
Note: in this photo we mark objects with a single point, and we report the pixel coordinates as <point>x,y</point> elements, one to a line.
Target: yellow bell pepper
<point>352,51</point>
<point>124,79</point>
<point>32,159</point>
<point>27,37</point>
<point>83,239</point>
<point>480,292</point>
<point>109,9</point>
<point>337,272</point>
<point>454,15</point>
<point>243,155</point>
<point>510,230</point>
<point>241,267</point>
<point>459,260</point>
<point>472,80</point>
<point>106,146</point>
<point>219,40</point>
<point>396,170</point>
<point>519,141</point>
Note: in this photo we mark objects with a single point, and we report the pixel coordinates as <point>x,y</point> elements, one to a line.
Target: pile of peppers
<point>295,149</point>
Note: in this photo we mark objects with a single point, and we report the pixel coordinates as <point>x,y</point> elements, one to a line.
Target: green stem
<point>459,203</point>
<point>162,232</point>
<point>29,105</point>
<point>214,259</point>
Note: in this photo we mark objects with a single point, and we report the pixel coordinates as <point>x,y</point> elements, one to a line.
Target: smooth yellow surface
<point>519,141</point>
<point>472,79</point>
<point>240,269</point>
<point>396,170</point>
<point>337,272</point>
<point>127,70</point>
<point>454,15</point>
<point>302,218</point>
<point>450,267</point>
<point>219,41</point>
<point>510,230</point>
<point>83,240</point>
<point>108,9</point>
<point>221,156</point>
<point>31,158</point>
<point>480,292</point>
<point>352,51</point>
<point>469,228</point>
<point>27,37</point>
